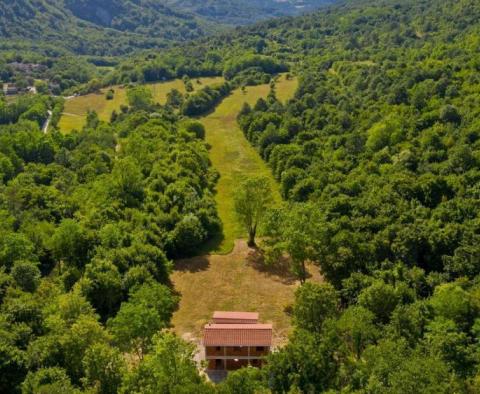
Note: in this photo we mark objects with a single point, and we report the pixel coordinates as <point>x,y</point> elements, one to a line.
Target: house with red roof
<point>236,339</point>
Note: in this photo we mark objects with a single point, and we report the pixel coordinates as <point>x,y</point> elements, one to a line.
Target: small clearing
<point>232,282</point>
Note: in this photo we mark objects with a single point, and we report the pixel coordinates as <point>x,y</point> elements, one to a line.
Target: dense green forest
<point>377,157</point>
<point>119,27</point>
<point>108,27</point>
<point>90,220</point>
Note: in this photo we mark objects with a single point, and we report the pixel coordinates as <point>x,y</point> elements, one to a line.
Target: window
<point>260,348</point>
<point>218,348</point>
<point>236,349</point>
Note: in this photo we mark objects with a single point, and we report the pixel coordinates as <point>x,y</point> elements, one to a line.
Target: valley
<point>321,194</point>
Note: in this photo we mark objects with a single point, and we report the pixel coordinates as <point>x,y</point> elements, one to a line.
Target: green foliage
<point>110,94</point>
<point>70,244</point>
<point>381,299</point>
<point>102,286</point>
<point>392,366</point>
<point>139,97</point>
<point>314,304</point>
<point>86,220</point>
<point>205,100</point>
<point>357,329</point>
<point>84,332</point>
<point>293,230</point>
<point>48,380</point>
<point>252,199</point>
<point>128,182</point>
<point>196,128</point>
<point>175,99</point>
<point>244,381</point>
<point>169,368</point>
<point>12,367</point>
<point>26,274</point>
<point>148,310</point>
<point>306,363</point>
<point>14,247</point>
<point>104,368</point>
<point>264,63</point>
<point>450,301</point>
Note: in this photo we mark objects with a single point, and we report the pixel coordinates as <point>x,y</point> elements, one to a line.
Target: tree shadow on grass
<point>193,264</point>
<point>212,244</point>
<point>280,269</point>
<point>200,260</point>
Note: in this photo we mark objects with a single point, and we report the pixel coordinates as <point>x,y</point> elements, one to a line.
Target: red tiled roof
<point>235,317</point>
<point>237,335</point>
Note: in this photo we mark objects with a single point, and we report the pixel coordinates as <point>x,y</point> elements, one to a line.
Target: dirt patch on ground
<point>235,281</point>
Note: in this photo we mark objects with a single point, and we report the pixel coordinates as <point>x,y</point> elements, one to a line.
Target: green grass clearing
<point>75,111</point>
<point>234,281</point>
<point>233,156</point>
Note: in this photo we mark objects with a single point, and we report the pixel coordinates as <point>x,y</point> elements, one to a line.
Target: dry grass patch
<point>232,282</point>
<point>285,88</point>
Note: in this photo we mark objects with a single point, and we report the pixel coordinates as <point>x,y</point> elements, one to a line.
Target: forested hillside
<point>108,27</point>
<point>378,158</point>
<point>118,27</point>
<point>247,11</point>
<point>91,220</point>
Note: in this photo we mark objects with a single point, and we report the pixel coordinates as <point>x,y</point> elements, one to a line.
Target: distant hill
<point>100,27</point>
<point>116,27</point>
<point>242,12</point>
<point>149,17</point>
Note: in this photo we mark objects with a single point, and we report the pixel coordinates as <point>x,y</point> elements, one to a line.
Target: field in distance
<point>75,111</point>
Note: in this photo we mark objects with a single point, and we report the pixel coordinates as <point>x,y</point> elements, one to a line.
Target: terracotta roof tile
<point>235,317</point>
<point>237,335</point>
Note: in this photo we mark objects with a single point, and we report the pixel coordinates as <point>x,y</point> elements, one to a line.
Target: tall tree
<point>314,303</point>
<point>252,199</point>
<point>148,311</point>
<point>169,368</point>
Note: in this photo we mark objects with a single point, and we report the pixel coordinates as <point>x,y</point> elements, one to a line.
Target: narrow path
<point>47,122</point>
<point>233,156</point>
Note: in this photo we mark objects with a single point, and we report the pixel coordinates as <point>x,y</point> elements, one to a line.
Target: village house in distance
<point>236,339</point>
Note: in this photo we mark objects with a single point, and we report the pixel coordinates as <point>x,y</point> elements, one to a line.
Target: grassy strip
<point>233,156</point>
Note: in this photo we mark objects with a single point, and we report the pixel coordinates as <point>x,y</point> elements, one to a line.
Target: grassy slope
<point>76,109</point>
<point>231,282</point>
<point>233,156</point>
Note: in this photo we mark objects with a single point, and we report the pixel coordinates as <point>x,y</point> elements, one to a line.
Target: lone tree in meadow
<point>252,198</point>
<point>140,97</point>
